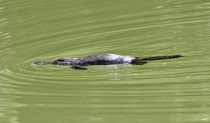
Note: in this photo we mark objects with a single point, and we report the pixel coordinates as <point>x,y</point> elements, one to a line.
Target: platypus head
<point>60,61</point>
<point>65,61</point>
<point>42,63</point>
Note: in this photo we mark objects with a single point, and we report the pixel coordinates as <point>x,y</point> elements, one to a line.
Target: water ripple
<point>46,30</point>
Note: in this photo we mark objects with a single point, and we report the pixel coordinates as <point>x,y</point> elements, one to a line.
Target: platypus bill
<point>104,59</point>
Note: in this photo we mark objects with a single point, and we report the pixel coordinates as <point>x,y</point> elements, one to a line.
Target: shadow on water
<point>161,91</point>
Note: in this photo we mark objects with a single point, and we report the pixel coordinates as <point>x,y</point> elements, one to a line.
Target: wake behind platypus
<point>104,59</point>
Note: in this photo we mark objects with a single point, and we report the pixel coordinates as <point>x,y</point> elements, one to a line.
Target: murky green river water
<point>169,91</point>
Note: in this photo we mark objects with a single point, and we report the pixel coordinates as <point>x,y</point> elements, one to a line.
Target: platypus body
<point>104,59</point>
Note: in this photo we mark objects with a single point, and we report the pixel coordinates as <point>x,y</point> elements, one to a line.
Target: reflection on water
<point>161,91</point>
<point>116,71</point>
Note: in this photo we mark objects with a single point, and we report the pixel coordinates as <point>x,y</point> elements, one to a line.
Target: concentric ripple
<point>174,90</point>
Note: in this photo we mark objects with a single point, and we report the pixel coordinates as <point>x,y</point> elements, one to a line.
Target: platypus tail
<point>159,57</point>
<point>141,61</point>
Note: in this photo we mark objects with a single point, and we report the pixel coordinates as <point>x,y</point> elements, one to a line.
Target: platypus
<point>104,59</point>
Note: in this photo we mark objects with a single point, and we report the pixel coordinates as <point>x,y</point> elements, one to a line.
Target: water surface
<point>169,91</point>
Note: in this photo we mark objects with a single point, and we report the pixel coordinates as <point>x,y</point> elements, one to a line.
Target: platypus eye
<point>60,60</point>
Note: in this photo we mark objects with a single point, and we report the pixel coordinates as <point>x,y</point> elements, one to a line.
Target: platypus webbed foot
<point>78,67</point>
<point>140,62</point>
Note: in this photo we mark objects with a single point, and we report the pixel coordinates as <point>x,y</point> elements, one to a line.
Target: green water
<point>169,91</point>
